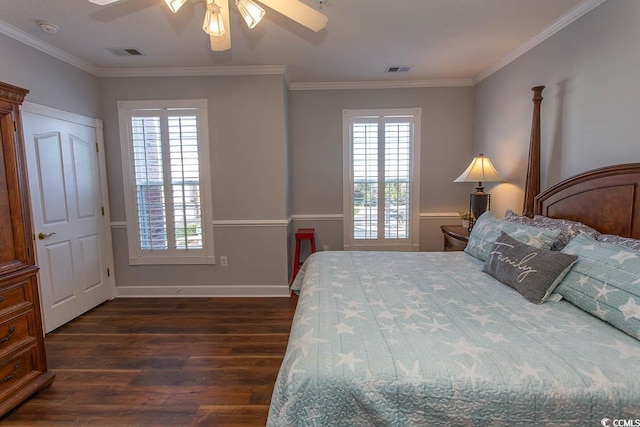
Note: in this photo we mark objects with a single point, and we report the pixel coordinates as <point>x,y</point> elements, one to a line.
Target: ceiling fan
<point>216,19</point>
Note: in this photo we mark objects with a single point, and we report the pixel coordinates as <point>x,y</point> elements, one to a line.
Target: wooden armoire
<point>23,363</point>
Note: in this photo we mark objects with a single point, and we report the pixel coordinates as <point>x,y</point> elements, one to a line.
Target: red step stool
<point>302,234</point>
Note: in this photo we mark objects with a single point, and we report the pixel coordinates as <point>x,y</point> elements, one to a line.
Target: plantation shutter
<point>381,179</point>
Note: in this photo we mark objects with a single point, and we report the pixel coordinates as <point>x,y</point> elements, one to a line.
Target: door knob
<point>43,236</point>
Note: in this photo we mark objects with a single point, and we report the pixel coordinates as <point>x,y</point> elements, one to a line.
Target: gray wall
<point>277,154</point>
<point>590,108</point>
<point>51,82</point>
<point>315,128</point>
<point>249,172</point>
<point>247,127</point>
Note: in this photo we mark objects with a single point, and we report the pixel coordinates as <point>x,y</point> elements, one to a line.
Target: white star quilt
<point>421,339</point>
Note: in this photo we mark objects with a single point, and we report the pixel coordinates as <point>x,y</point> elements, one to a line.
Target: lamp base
<point>479,203</point>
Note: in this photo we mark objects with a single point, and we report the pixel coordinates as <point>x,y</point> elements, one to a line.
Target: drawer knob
<point>11,375</point>
<point>7,337</point>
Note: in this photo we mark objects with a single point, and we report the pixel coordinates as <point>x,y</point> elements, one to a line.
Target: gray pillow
<point>568,229</point>
<point>627,242</point>
<point>511,216</point>
<point>532,271</point>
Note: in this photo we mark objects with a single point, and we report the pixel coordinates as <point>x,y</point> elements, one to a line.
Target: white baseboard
<point>201,291</point>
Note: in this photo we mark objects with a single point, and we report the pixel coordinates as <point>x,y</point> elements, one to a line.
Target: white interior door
<point>68,215</point>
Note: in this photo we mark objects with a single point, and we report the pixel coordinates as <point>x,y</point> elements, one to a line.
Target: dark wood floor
<point>155,362</point>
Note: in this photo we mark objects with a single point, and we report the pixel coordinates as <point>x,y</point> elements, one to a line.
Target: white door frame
<point>55,113</point>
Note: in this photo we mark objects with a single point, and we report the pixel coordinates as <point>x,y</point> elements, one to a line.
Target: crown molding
<point>244,70</point>
<point>574,14</point>
<point>571,16</point>
<point>380,84</point>
<point>36,43</point>
<point>44,47</point>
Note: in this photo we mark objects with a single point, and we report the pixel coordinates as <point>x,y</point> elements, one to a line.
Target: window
<point>165,161</point>
<point>381,178</point>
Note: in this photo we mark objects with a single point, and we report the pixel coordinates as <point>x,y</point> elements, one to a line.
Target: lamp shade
<point>251,12</point>
<point>175,5</point>
<point>213,24</point>
<point>480,170</point>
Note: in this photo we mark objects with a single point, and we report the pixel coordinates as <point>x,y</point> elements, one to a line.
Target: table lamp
<point>480,170</point>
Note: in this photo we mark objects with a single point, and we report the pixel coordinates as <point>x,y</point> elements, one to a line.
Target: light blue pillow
<point>605,281</point>
<point>487,229</point>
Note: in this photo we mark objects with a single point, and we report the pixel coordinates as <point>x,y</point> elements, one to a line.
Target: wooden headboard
<point>607,199</point>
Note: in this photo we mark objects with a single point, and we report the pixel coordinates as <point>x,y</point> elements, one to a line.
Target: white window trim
<point>138,256</point>
<point>413,242</point>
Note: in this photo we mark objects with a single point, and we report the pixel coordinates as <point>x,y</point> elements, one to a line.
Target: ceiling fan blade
<point>299,12</point>
<point>223,42</point>
<point>103,2</point>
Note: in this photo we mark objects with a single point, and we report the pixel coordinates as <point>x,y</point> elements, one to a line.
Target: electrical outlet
<point>325,247</point>
<point>223,261</point>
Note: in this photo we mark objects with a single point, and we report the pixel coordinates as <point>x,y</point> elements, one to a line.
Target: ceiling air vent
<point>398,69</point>
<point>121,51</point>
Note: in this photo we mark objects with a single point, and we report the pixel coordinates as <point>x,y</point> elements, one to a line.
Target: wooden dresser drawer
<point>15,296</point>
<point>23,360</point>
<point>18,370</point>
<point>16,332</point>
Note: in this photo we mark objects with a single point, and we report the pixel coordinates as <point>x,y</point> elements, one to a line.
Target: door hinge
<point>97,148</point>
<point>15,126</point>
<point>102,210</point>
<point>108,273</point>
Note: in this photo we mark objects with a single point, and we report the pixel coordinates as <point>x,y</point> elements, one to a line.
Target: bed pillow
<point>488,228</point>
<point>605,281</point>
<point>627,242</point>
<point>511,216</point>
<point>568,229</point>
<point>532,271</point>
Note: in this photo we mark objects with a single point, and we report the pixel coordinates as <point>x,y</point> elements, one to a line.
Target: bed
<point>407,339</point>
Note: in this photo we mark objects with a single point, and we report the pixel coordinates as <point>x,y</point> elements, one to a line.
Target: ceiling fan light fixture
<point>175,5</point>
<point>250,11</point>
<point>213,23</point>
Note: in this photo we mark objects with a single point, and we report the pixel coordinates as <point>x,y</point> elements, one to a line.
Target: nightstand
<point>455,237</point>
